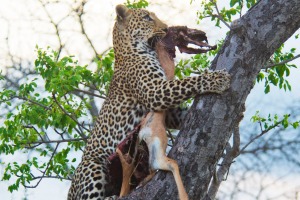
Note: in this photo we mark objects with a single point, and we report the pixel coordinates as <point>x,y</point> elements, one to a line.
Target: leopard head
<point>136,25</point>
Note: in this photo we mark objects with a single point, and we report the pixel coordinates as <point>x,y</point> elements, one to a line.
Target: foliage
<point>50,112</point>
<point>273,121</point>
<point>275,75</point>
<point>211,10</point>
<point>137,4</point>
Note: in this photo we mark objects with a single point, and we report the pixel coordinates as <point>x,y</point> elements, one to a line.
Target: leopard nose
<point>165,30</point>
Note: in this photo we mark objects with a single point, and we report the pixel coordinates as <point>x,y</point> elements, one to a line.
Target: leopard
<point>138,86</point>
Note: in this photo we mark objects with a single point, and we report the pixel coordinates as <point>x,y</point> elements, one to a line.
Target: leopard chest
<point>117,118</point>
<point>123,110</point>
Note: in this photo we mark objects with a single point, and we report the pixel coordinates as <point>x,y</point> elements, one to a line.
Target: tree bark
<point>209,125</point>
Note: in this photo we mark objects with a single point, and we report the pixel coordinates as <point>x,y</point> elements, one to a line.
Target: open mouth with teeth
<point>183,37</point>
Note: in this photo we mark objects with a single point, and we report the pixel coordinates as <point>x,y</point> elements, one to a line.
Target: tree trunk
<point>209,125</point>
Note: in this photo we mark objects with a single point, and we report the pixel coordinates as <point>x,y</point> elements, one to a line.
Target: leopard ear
<point>122,12</point>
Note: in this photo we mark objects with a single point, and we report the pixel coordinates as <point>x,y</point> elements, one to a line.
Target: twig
<point>80,13</point>
<point>93,87</point>
<point>55,141</point>
<point>29,100</point>
<point>43,175</point>
<point>271,148</point>
<point>261,134</point>
<point>171,137</point>
<point>281,63</point>
<point>56,30</point>
<point>56,177</point>
<point>13,83</point>
<point>90,93</point>
<point>75,120</point>
<point>63,131</point>
<point>219,16</point>
<point>242,5</point>
<point>32,127</point>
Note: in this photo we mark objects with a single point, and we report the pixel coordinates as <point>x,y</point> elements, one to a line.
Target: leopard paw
<point>222,81</point>
<point>216,81</point>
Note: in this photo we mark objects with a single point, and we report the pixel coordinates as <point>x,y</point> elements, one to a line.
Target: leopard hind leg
<point>89,181</point>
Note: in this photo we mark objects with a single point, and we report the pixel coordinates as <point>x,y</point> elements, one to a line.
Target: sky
<point>17,18</point>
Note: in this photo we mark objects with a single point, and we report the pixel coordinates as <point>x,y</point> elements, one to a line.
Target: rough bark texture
<point>210,123</point>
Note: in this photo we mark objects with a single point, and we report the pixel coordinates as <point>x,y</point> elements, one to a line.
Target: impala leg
<point>127,170</point>
<point>173,166</point>
<point>158,160</point>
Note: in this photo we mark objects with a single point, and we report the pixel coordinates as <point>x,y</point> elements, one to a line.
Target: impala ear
<point>122,13</point>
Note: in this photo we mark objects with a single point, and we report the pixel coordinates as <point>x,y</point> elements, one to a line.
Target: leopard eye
<point>147,17</point>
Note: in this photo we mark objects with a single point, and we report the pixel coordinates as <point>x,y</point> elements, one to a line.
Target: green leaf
<point>285,121</point>
<point>280,70</point>
<point>267,89</point>
<point>260,77</point>
<point>295,125</point>
<point>233,2</point>
<point>36,63</point>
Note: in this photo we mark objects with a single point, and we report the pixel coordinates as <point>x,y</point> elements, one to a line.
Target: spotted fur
<point>139,85</point>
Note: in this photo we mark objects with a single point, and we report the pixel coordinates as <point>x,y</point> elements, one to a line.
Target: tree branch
<point>30,101</point>
<point>261,134</point>
<point>69,115</point>
<point>281,63</point>
<point>57,32</point>
<point>219,16</point>
<point>80,12</point>
<point>43,175</point>
<point>37,132</point>
<point>55,177</point>
<point>90,93</point>
<point>56,141</point>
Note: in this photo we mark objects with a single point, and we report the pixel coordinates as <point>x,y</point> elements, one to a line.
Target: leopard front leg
<point>159,94</point>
